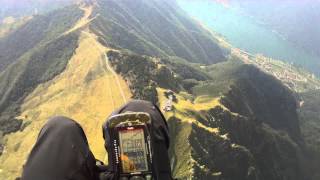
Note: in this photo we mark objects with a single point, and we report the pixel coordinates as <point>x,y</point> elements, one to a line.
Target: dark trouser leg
<point>60,153</point>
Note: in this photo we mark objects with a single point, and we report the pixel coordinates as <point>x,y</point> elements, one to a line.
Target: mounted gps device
<point>130,145</point>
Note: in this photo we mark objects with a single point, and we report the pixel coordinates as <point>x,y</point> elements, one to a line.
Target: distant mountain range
<point>19,8</point>
<point>232,116</point>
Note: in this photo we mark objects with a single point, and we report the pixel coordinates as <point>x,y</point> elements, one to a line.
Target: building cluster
<point>283,72</point>
<point>287,74</point>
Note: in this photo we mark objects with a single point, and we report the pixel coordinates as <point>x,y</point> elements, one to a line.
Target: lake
<point>247,33</point>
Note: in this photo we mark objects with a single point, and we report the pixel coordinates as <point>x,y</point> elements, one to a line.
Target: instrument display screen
<point>133,150</point>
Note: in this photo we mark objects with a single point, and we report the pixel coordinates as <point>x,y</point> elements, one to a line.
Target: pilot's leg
<point>61,152</point>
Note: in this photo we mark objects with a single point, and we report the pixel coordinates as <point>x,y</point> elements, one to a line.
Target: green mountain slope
<point>33,54</point>
<point>228,120</point>
<point>310,118</point>
<point>40,30</point>
<point>254,126</point>
<point>310,124</point>
<point>35,67</point>
<point>156,28</point>
<point>10,24</point>
<point>38,54</point>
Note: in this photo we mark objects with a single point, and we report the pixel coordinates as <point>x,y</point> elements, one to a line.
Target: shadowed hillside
<point>309,115</point>
<point>19,79</point>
